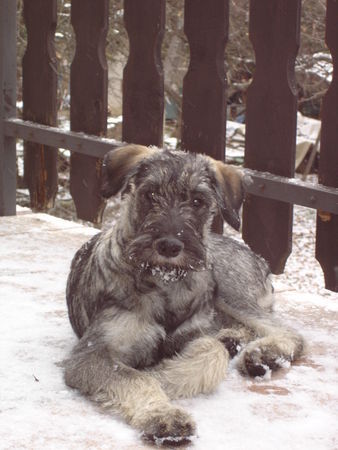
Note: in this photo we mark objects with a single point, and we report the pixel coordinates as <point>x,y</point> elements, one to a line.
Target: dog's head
<point>171,198</point>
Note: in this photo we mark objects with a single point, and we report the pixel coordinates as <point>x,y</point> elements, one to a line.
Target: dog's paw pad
<point>260,363</point>
<point>173,429</point>
<point>257,370</point>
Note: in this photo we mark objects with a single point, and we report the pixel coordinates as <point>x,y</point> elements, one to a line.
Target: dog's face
<point>171,198</point>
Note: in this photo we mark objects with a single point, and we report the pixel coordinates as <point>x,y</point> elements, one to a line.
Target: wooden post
<point>204,85</point>
<point>271,124</point>
<point>7,105</point>
<point>143,85</point>
<point>88,104</point>
<point>327,223</point>
<point>39,84</point>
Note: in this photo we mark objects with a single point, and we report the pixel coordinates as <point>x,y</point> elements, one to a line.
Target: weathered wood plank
<point>39,90</point>
<point>327,224</point>
<point>204,85</point>
<point>291,190</point>
<point>88,101</point>
<point>7,105</point>
<point>271,124</point>
<point>143,85</point>
<point>85,144</point>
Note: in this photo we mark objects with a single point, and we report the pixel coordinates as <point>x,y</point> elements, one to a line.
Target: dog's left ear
<point>230,191</point>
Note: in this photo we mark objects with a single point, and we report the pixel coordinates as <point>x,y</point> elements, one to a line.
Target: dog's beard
<point>166,274</point>
<point>141,255</point>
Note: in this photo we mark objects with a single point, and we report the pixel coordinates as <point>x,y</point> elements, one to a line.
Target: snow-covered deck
<point>296,409</point>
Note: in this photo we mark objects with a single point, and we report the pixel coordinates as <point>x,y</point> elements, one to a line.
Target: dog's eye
<point>150,196</point>
<point>197,202</point>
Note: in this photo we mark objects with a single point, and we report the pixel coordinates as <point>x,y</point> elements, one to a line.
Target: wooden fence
<point>271,110</point>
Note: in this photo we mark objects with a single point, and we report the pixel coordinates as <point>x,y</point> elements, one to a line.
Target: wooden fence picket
<point>143,84</point>
<point>39,88</point>
<point>204,85</point>
<point>271,120</point>
<point>327,223</point>
<point>88,83</point>
<point>7,106</point>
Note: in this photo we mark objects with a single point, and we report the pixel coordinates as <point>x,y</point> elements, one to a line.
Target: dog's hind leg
<point>199,368</point>
<point>133,394</point>
<point>275,347</point>
<point>269,344</point>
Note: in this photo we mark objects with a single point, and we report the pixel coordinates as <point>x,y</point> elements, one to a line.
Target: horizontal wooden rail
<point>262,184</point>
<point>76,141</point>
<point>291,190</point>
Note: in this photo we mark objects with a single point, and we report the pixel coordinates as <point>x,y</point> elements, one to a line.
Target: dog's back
<point>80,301</point>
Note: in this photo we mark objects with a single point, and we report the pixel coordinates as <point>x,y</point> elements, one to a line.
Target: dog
<point>160,303</point>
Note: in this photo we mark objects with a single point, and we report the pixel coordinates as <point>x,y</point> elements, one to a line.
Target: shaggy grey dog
<point>160,303</point>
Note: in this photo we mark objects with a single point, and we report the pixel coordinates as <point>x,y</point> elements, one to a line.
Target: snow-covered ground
<point>296,409</point>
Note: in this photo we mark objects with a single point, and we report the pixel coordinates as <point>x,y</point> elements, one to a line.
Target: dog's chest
<point>185,300</point>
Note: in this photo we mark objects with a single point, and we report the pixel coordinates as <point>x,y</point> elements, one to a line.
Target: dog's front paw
<point>266,355</point>
<point>173,428</point>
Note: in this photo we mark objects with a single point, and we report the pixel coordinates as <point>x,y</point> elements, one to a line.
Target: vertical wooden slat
<point>88,104</point>
<point>204,85</point>
<point>39,83</point>
<point>143,85</point>
<point>7,105</point>
<point>327,224</point>
<point>271,120</point>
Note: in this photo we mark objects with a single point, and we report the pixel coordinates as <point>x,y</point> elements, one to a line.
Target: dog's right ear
<point>117,164</point>
<point>230,190</point>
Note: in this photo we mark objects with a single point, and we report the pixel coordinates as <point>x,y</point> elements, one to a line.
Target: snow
<point>168,275</point>
<point>294,409</point>
<point>114,120</point>
<point>323,66</point>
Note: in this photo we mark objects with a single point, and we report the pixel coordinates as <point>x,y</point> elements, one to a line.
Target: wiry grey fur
<point>159,303</point>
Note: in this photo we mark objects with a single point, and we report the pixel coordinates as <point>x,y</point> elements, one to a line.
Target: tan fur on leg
<point>234,338</point>
<point>240,334</point>
<point>200,368</point>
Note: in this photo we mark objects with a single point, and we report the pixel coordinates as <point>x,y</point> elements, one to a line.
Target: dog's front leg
<point>97,370</point>
<point>197,369</point>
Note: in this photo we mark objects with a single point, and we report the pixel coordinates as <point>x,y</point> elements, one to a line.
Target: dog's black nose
<point>169,247</point>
